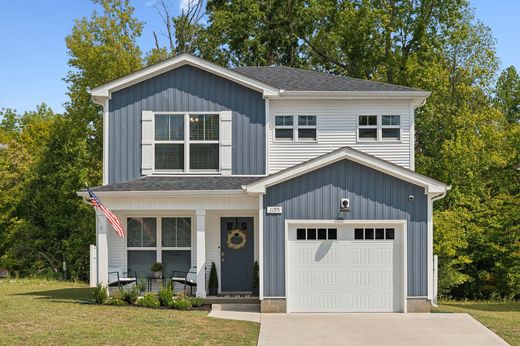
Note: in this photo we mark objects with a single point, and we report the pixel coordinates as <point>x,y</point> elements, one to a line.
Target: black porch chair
<point>188,278</point>
<point>118,279</point>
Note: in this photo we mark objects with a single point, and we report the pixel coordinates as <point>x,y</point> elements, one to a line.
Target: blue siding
<point>185,89</point>
<point>373,196</point>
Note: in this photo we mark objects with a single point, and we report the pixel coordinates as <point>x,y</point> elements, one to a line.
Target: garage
<point>346,266</point>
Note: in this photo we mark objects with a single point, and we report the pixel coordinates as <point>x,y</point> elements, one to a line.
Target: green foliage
<point>100,294</point>
<point>166,296</point>
<point>149,300</point>
<point>256,278</point>
<point>196,301</point>
<point>213,277</point>
<point>508,94</point>
<point>141,283</point>
<point>156,267</point>
<point>115,301</point>
<point>129,295</point>
<point>182,302</point>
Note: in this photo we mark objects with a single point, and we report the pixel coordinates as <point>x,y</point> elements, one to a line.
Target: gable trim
<point>104,91</point>
<point>431,186</point>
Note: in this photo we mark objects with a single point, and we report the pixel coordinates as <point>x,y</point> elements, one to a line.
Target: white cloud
<point>184,4</point>
<point>150,3</point>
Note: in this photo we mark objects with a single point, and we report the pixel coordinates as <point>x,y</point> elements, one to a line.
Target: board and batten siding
<point>373,196</point>
<point>185,89</point>
<point>336,128</point>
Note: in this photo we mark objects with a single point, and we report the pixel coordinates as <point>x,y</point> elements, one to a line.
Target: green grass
<point>502,318</point>
<point>58,313</point>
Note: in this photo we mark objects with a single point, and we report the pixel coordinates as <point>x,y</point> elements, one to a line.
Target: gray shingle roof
<point>154,183</point>
<point>295,79</point>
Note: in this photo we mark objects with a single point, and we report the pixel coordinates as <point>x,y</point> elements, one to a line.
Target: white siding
<point>337,127</point>
<point>117,247</point>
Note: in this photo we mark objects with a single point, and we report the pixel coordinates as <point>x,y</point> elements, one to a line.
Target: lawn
<point>502,318</point>
<point>47,312</point>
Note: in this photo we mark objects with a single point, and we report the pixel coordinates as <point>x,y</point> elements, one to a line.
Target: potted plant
<point>256,280</point>
<point>213,280</point>
<point>156,270</point>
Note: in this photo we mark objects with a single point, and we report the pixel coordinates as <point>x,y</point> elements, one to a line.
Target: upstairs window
<point>283,127</point>
<point>295,128</point>
<point>390,127</point>
<point>379,127</point>
<point>307,127</point>
<point>187,142</point>
<point>367,127</point>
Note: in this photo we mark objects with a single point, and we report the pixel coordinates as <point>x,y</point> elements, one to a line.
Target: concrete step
<point>236,307</point>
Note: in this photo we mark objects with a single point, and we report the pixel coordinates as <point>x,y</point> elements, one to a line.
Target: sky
<point>33,55</point>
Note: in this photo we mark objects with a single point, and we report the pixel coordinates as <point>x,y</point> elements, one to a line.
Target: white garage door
<point>345,268</point>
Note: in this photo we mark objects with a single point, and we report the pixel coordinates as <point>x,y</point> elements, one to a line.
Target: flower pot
<point>213,291</point>
<point>157,275</point>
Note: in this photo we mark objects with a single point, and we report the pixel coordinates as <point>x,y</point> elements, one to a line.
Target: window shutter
<point>225,142</point>
<point>146,142</point>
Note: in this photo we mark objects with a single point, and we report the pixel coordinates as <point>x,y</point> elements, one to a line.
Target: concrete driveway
<point>374,329</point>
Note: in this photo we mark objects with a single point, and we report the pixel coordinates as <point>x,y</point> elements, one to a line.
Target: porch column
<point>201,253</point>
<point>102,226</point>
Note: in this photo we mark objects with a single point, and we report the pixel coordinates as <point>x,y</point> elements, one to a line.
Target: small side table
<point>151,279</point>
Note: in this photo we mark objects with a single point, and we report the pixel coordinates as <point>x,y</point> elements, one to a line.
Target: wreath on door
<point>236,239</point>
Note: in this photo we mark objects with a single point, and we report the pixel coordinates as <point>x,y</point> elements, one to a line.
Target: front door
<point>236,254</point>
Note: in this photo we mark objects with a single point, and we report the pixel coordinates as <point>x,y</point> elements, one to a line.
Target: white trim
<point>105,90</point>
<point>429,248</point>
<point>430,185</point>
<point>400,223</point>
<point>201,252</point>
<point>357,95</point>
<point>261,245</point>
<point>267,140</point>
<point>106,112</point>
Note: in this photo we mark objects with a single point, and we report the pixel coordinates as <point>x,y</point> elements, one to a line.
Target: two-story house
<point>310,174</point>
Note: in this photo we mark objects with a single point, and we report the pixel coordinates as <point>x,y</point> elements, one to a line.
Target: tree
<point>508,94</point>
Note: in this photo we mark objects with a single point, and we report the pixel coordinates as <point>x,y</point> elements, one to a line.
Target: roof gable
<point>431,186</point>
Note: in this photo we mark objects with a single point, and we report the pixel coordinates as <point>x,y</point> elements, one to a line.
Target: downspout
<point>435,267</point>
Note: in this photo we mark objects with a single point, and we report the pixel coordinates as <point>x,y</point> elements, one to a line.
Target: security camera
<point>411,198</point>
<point>344,204</point>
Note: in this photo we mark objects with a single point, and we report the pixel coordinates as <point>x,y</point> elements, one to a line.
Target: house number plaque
<point>274,210</point>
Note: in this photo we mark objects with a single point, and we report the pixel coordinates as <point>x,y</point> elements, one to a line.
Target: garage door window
<point>374,234</point>
<point>319,234</point>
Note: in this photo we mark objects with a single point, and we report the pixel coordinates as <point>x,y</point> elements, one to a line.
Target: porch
<point>185,234</point>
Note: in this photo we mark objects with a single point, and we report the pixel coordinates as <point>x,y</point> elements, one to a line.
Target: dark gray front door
<point>237,254</point>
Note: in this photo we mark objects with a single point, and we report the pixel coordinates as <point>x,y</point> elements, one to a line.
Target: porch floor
<point>232,299</point>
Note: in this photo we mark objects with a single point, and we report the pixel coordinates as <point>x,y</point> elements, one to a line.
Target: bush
<point>166,296</point>
<point>182,303</point>
<point>130,295</point>
<point>256,278</point>
<point>141,283</point>
<point>156,267</point>
<point>196,301</point>
<point>116,301</point>
<point>213,277</point>
<point>100,294</point>
<point>149,300</point>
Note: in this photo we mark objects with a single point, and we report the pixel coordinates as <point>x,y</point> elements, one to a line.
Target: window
<point>379,127</point>
<point>158,239</point>
<point>298,128</point>
<point>390,127</point>
<point>169,139</point>
<point>176,231</point>
<point>307,127</point>
<point>374,234</point>
<point>316,234</point>
<point>142,232</point>
<point>367,127</point>
<point>187,142</point>
<point>283,127</point>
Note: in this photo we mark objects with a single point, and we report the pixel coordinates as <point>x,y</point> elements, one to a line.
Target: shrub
<point>141,283</point>
<point>182,303</point>
<point>166,296</point>
<point>116,301</point>
<point>130,295</point>
<point>149,300</point>
<point>156,267</point>
<point>213,277</point>
<point>196,301</point>
<point>256,278</point>
<point>100,294</point>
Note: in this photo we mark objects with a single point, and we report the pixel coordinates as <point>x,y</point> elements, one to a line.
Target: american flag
<point>114,221</point>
